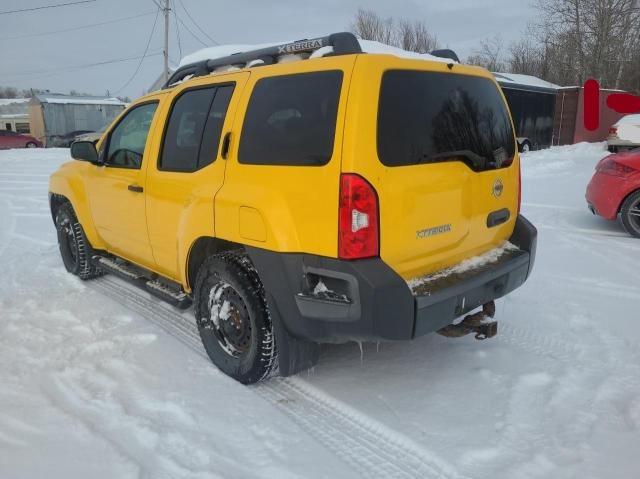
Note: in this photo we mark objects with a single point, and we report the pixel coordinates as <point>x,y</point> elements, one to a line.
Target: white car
<point>625,134</point>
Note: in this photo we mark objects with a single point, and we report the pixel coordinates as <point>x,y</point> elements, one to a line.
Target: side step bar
<point>136,276</point>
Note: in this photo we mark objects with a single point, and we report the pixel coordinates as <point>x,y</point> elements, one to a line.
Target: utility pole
<point>166,40</point>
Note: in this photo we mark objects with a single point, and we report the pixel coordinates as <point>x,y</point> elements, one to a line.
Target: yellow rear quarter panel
<point>292,208</point>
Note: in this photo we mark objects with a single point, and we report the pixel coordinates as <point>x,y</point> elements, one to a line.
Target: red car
<point>11,139</point>
<point>615,188</point>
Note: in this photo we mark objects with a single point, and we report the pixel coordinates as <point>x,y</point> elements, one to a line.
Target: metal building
<point>55,118</point>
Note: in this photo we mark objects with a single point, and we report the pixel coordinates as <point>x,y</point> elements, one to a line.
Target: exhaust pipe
<point>474,323</point>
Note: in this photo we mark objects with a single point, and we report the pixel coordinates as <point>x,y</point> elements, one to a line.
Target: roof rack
<point>343,43</point>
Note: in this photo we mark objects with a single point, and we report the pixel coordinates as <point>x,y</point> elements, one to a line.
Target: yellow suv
<point>344,196</point>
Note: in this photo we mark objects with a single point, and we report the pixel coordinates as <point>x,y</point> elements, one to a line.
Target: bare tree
<point>489,55</point>
<point>408,35</point>
<point>368,25</point>
<point>415,37</point>
<point>590,38</point>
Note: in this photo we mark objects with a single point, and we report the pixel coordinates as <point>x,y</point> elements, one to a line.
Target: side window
<point>291,120</point>
<point>193,131</point>
<point>129,137</point>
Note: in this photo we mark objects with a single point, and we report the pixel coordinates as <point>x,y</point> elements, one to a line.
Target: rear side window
<point>291,120</point>
<point>193,132</point>
<point>429,117</point>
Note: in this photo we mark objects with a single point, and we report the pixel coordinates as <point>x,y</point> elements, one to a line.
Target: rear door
<point>438,146</point>
<point>189,170</point>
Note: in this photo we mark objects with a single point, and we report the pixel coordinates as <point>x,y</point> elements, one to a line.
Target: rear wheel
<point>525,147</point>
<point>233,318</point>
<point>75,250</point>
<point>630,214</point>
<point>31,144</point>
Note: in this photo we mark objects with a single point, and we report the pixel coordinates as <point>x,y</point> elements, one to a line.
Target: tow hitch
<point>474,323</point>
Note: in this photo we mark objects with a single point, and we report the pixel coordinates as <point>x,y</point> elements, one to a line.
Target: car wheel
<point>233,318</point>
<point>31,144</point>
<point>630,214</point>
<point>74,248</point>
<point>525,147</point>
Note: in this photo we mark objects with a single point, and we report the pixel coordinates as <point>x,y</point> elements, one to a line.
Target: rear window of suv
<point>430,117</point>
<point>291,120</point>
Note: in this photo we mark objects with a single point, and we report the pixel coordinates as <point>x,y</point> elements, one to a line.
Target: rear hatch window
<point>429,117</point>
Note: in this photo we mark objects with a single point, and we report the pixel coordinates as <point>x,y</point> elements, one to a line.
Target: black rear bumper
<point>370,301</point>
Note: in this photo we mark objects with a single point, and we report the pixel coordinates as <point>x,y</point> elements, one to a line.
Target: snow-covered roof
<point>15,115</point>
<point>367,46</point>
<point>77,100</point>
<point>11,101</point>
<point>527,80</point>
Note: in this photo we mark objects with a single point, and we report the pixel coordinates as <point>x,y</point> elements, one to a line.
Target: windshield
<point>428,117</point>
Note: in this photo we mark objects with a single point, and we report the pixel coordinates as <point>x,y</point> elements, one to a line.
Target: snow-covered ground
<point>99,380</point>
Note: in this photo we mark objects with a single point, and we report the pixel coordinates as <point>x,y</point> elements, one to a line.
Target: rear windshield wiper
<point>477,162</point>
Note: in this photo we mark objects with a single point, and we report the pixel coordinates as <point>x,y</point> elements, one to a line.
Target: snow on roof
<point>528,80</point>
<point>77,100</point>
<point>367,46</point>
<point>15,115</point>
<point>11,101</point>
<point>629,120</point>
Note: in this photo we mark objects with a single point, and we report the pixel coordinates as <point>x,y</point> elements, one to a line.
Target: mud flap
<point>294,354</point>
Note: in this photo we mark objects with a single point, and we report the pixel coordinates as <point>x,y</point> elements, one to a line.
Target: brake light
<point>357,218</point>
<point>613,131</point>
<point>609,166</point>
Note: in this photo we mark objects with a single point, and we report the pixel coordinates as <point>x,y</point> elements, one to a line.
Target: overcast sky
<point>29,59</point>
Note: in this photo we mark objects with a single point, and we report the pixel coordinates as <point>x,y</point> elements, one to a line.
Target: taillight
<point>357,218</point>
<point>613,131</point>
<point>609,166</point>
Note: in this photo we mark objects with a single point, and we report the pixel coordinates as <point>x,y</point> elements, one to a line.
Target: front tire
<point>630,214</point>
<point>525,147</point>
<point>233,318</point>
<point>31,144</point>
<point>74,247</point>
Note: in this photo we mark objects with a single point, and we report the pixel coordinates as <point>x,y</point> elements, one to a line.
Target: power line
<point>146,49</point>
<point>78,28</point>
<point>196,23</point>
<point>175,19</point>
<point>80,67</point>
<point>189,30</point>
<point>6,12</point>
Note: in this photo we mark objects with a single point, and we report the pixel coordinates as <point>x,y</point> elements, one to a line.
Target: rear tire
<point>31,144</point>
<point>525,147</point>
<point>630,214</point>
<point>74,247</point>
<point>233,318</point>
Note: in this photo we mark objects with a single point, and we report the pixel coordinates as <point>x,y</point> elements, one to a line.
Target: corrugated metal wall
<point>62,118</point>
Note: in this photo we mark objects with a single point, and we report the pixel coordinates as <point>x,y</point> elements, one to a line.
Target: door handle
<point>225,145</point>
<point>135,188</point>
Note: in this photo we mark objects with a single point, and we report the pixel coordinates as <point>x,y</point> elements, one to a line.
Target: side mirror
<point>84,151</point>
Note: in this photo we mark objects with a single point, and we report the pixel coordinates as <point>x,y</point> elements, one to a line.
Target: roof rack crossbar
<point>344,43</point>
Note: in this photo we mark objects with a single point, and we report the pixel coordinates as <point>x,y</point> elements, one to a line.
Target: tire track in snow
<point>368,446</point>
<point>372,449</point>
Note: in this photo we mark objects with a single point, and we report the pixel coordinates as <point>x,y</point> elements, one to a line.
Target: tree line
<point>568,42</point>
